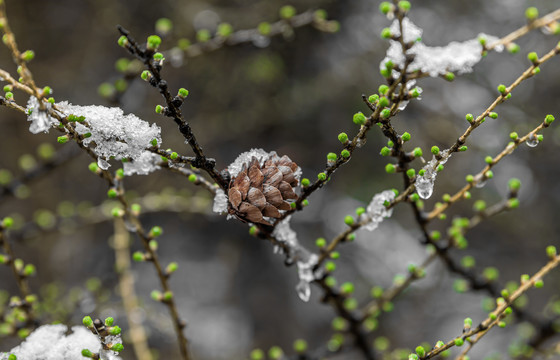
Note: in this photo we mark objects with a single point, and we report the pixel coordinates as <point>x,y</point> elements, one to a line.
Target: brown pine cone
<point>260,191</point>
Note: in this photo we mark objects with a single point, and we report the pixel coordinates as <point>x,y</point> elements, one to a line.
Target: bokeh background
<point>293,96</point>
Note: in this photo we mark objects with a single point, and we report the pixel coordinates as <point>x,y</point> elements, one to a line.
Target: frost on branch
<point>425,183</point>
<point>50,342</point>
<point>305,260</point>
<point>459,57</point>
<point>116,135</point>
<point>40,119</point>
<point>376,211</point>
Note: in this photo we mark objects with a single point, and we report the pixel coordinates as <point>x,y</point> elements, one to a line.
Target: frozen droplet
<point>361,142</point>
<point>376,209</point>
<point>303,290</point>
<point>532,141</point>
<point>276,249</point>
<point>261,41</point>
<point>480,184</point>
<point>130,226</point>
<point>424,187</point>
<point>102,163</point>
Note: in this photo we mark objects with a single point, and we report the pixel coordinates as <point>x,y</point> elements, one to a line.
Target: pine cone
<point>260,191</point>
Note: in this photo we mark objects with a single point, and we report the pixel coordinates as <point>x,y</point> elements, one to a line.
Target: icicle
<point>40,119</point>
<point>304,260</point>
<point>425,183</point>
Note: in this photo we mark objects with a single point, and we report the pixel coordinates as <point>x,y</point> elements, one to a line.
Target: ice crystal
<point>220,202</point>
<point>425,183</point>
<point>143,165</point>
<point>50,342</point>
<point>41,121</point>
<point>305,260</point>
<point>456,56</point>
<point>115,134</point>
<point>376,210</point>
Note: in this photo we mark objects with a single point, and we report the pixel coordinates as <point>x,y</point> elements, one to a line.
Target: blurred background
<point>293,95</point>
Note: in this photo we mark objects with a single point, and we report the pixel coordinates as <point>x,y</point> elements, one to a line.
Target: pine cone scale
<point>260,192</point>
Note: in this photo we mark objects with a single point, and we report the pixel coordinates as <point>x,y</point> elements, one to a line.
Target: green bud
<point>531,13</point>
<point>502,89</point>
<point>330,266</point>
<point>449,76</point>
<point>405,136</point>
<point>264,28</point>
<point>417,152</point>
<point>109,321</point>
<point>383,89</point>
<point>385,113</point>
<point>435,150</point>
<point>203,35</point>
<point>468,262</point>
<point>224,30</point>
<point>321,242</point>
<point>322,176</point>
<point>331,157</point>
<point>470,118</point>
<point>63,139</point>
<point>112,193</point>
<point>171,268</point>
<point>469,178</point>
<point>193,178</point>
<point>551,251</point>
<point>155,232</point>
<point>347,288</point>
<point>513,203</point>
<point>345,154</point>
<point>385,7</point>
<point>411,173</point>
<point>117,347</point>
<point>253,230</point>
<point>158,56</point>
<point>123,41</point>
<point>348,220</point>
<point>539,283</point>
<point>513,136</point>
<point>513,48</point>
<point>404,6</point>
<point>420,351</point>
<point>163,26</point>
<point>386,33</point>
<point>300,346</point>
<point>154,142</point>
<point>359,118</point>
<point>383,102</point>
<point>463,148</point>
<point>183,44</point>
<point>85,353</point>
<point>183,93</point>
<point>173,155</point>
<point>159,109</point>
<point>489,174</point>
<point>548,119</point>
<point>275,353</point>
<point>459,342</point>
<point>305,182</point>
<point>489,160</point>
<point>287,11</point>
<point>373,98</point>
<point>491,273</point>
<point>153,42</point>
<point>138,256</point>
<point>385,151</point>
<point>390,169</point>
<point>493,115</point>
<point>533,57</point>
<point>87,321</point>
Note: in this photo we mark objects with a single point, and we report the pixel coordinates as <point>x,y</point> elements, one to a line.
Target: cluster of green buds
<point>107,332</point>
